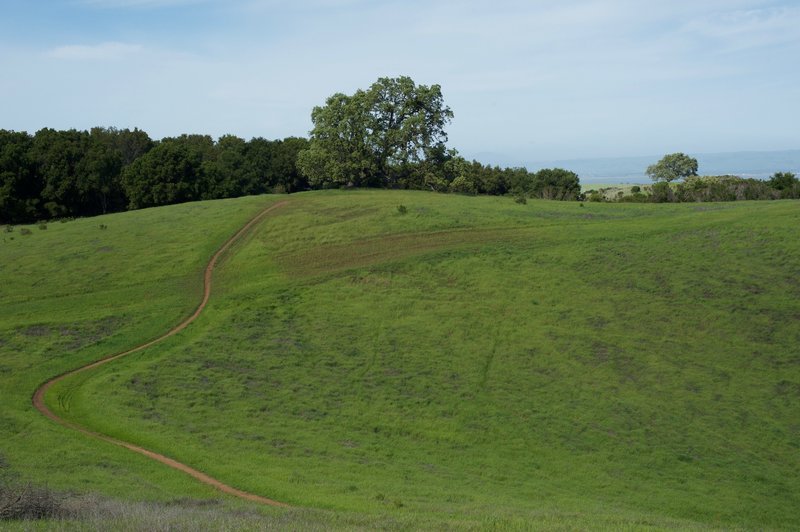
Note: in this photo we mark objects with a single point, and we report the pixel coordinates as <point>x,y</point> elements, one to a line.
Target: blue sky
<point>527,80</point>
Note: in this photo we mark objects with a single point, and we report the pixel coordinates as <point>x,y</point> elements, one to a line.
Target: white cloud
<point>102,51</point>
<point>545,78</point>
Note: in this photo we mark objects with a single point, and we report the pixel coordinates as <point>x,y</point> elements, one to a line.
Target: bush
<point>103,227</point>
<point>26,501</point>
<point>635,189</point>
<point>42,226</point>
<point>786,183</point>
<point>662,192</point>
<point>25,231</point>
<point>402,209</point>
<point>596,196</point>
<point>521,199</point>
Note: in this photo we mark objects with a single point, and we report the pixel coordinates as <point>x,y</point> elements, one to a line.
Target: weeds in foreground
<point>27,501</point>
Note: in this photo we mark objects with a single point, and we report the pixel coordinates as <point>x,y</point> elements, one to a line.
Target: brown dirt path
<point>39,394</point>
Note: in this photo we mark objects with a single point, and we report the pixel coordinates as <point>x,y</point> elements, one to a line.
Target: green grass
<point>472,363</point>
<point>76,292</point>
<point>611,191</point>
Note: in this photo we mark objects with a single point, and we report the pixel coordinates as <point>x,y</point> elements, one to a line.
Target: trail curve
<point>41,391</point>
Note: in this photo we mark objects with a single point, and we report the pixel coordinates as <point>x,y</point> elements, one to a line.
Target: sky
<point>526,80</point>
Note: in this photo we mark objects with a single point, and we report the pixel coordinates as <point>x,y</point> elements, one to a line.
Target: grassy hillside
<point>74,292</point>
<point>472,362</point>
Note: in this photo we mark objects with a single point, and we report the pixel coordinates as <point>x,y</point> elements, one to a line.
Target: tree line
<point>692,187</point>
<point>391,135</point>
<point>54,174</point>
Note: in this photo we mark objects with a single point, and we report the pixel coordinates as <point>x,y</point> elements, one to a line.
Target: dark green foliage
<point>375,137</point>
<point>556,183</point>
<point>169,173</point>
<point>65,173</point>
<point>19,186</point>
<point>661,192</point>
<point>56,174</point>
<point>787,183</point>
<point>402,209</point>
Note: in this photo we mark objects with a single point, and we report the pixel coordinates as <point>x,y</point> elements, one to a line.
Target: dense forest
<point>83,173</point>
<point>58,174</point>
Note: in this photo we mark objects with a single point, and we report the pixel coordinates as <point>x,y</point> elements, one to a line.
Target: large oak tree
<point>373,137</point>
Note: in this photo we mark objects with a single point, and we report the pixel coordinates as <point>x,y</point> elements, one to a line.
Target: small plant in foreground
<point>26,501</point>
<point>402,209</point>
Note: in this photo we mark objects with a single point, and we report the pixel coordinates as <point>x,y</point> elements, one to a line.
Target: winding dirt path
<point>39,394</point>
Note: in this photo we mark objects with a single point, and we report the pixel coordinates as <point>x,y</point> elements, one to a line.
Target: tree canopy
<point>375,136</point>
<point>671,167</point>
<point>82,173</point>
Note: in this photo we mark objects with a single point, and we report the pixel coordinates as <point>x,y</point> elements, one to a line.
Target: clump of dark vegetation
<point>63,174</point>
<point>25,231</point>
<point>402,209</point>
<point>23,500</point>
<point>782,185</point>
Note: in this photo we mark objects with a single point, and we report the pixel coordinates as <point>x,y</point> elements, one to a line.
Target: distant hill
<point>760,164</point>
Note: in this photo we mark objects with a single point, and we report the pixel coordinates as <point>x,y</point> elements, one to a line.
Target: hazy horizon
<point>530,81</point>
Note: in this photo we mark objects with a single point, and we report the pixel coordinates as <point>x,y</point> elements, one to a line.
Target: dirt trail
<point>38,396</point>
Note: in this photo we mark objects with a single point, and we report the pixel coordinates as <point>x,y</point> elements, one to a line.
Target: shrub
<point>103,227</point>
<point>8,229</point>
<point>635,189</point>
<point>402,209</point>
<point>662,192</point>
<point>787,183</point>
<point>521,199</point>
<point>42,226</point>
<point>596,196</point>
<point>26,501</point>
<point>25,231</point>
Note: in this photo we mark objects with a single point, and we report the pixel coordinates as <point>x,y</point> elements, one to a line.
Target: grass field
<point>472,363</point>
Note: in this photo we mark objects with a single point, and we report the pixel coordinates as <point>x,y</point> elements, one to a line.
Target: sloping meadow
<point>464,361</point>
